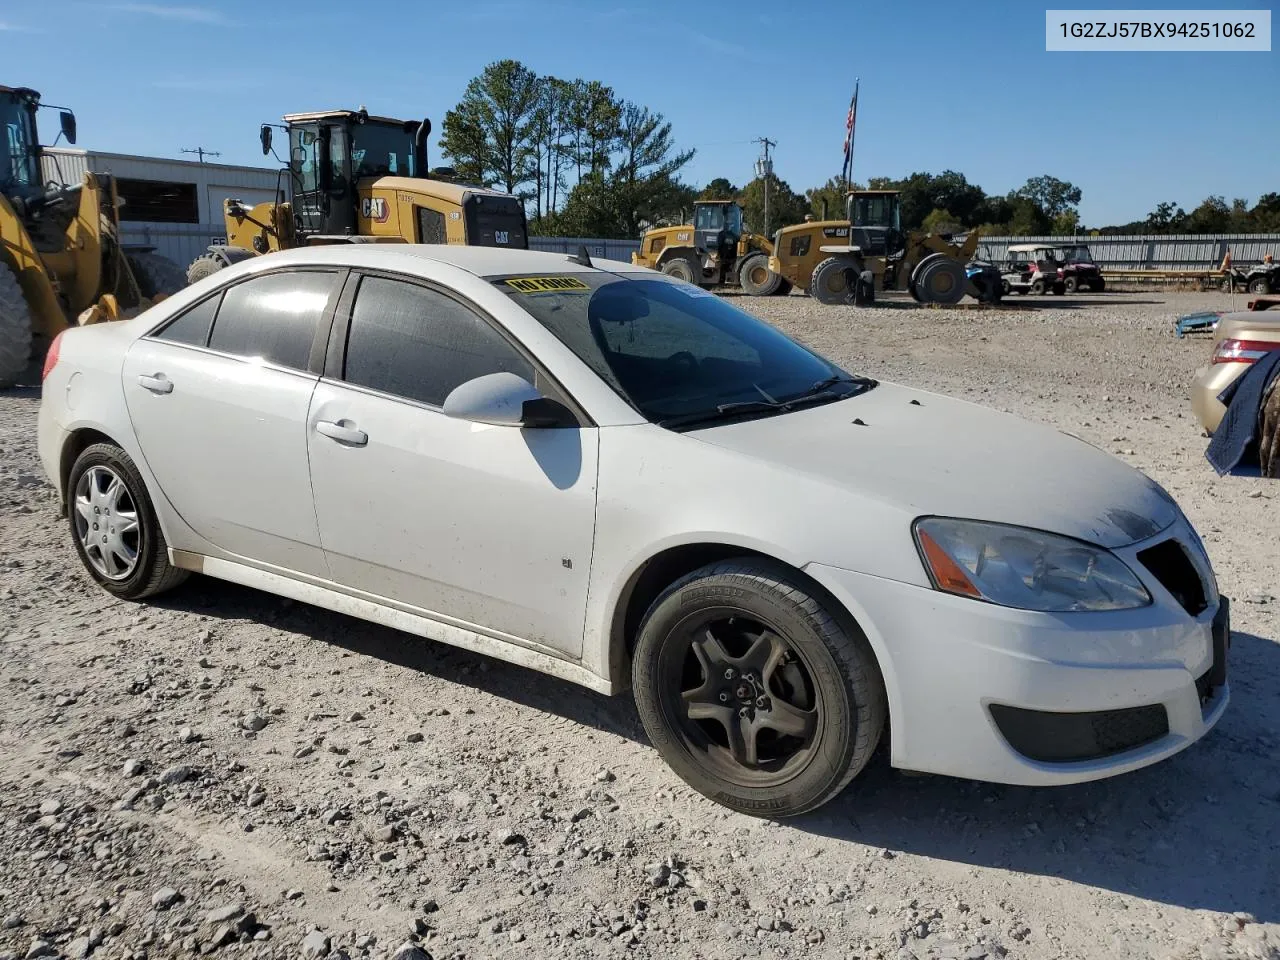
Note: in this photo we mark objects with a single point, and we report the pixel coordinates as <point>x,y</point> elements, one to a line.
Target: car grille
<point>1170,564</point>
<point>1065,737</point>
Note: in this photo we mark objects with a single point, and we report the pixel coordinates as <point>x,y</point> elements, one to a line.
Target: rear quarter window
<point>192,326</point>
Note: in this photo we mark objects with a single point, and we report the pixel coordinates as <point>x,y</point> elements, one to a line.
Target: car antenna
<point>582,257</point>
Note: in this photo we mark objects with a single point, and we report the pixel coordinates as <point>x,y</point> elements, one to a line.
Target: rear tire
<point>755,277</point>
<point>682,268</point>
<point>203,266</point>
<point>788,697</point>
<point>828,284</point>
<point>1098,285</point>
<point>1059,289</point>
<point>157,276</point>
<point>1037,287</point>
<point>15,328</point>
<point>130,565</point>
<point>1260,285</point>
<point>784,289</point>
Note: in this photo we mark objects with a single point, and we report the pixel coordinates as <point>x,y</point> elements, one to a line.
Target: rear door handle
<point>344,431</point>
<point>156,383</point>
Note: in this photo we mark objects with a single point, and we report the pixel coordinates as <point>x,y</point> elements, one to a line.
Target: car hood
<point>934,455</point>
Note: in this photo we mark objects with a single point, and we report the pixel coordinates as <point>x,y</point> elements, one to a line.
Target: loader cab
<point>717,225</point>
<point>329,153</point>
<point>876,219</point>
<point>20,150</point>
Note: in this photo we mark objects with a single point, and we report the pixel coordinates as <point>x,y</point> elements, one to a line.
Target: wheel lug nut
<point>724,697</point>
<point>729,674</point>
<point>762,702</point>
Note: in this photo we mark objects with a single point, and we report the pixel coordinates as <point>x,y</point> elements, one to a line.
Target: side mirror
<point>264,135</point>
<point>68,122</point>
<point>505,400</point>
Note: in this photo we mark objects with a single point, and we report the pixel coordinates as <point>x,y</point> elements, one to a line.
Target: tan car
<point>1241,339</point>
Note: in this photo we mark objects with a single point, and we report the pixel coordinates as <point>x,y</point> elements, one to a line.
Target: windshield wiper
<point>865,382</point>
<point>725,411</point>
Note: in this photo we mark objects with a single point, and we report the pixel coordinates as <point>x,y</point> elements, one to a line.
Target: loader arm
<point>20,255</point>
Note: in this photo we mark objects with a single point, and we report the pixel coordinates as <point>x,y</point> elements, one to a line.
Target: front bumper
<point>947,661</point>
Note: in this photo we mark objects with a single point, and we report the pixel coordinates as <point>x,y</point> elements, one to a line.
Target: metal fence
<point>183,242</point>
<point>1188,252</point>
<point>180,242</point>
<point>596,247</point>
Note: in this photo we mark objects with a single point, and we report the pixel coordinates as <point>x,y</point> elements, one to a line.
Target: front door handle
<point>156,383</point>
<point>344,431</point>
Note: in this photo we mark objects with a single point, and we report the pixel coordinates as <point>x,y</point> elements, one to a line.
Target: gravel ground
<point>226,772</point>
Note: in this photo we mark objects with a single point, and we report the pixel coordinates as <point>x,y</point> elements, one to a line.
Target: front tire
<point>205,265</point>
<point>1260,285</point>
<point>15,328</point>
<point>1037,287</point>
<point>829,284</point>
<point>1069,285</point>
<point>755,277</point>
<point>682,268</point>
<point>114,526</point>
<point>756,690</point>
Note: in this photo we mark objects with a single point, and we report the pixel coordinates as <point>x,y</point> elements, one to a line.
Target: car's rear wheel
<point>756,692</point>
<point>114,526</point>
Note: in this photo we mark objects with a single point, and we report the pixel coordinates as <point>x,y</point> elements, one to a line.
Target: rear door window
<point>274,317</point>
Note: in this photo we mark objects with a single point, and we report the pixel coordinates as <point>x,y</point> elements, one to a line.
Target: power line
<point>201,152</point>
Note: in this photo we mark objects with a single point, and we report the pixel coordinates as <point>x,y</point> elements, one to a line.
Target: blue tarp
<point>1239,427</point>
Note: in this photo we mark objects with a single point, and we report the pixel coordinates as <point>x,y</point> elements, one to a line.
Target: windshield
<point>381,149</point>
<point>18,158</point>
<point>876,210</point>
<point>673,350</point>
<point>709,217</point>
<point>1075,254</point>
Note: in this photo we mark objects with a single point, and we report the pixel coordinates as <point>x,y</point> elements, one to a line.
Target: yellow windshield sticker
<point>546,284</point>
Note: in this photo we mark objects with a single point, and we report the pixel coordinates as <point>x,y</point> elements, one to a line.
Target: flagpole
<point>853,132</point>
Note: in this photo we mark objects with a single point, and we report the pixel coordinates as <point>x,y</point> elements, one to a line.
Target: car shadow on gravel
<point>1200,830</point>
<point>528,688</point>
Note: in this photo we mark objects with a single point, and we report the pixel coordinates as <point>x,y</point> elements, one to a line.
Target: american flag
<point>849,123</point>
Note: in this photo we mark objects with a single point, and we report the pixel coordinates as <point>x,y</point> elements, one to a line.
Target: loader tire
<point>157,276</point>
<point>755,277</point>
<point>682,268</point>
<point>828,284</point>
<point>15,328</point>
<point>203,266</point>
<point>784,289</point>
<point>939,278</point>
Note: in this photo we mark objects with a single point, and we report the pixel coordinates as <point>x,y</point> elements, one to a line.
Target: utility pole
<point>764,169</point>
<point>201,152</point>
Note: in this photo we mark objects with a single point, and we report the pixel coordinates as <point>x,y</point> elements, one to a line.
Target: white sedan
<point>617,478</point>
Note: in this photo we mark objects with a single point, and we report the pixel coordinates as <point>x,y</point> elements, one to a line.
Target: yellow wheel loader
<point>712,251</point>
<point>356,178</point>
<point>850,260</point>
<point>61,259</point>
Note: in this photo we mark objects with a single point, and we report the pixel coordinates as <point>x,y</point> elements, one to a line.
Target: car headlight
<point>1027,569</point>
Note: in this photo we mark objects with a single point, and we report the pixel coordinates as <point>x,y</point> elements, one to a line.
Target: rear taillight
<point>51,358</point>
<point>1242,351</point>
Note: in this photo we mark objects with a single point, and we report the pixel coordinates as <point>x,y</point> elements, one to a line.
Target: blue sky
<point>944,85</point>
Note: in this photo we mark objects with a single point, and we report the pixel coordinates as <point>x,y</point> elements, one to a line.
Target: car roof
<point>480,261</point>
<point>1025,247</point>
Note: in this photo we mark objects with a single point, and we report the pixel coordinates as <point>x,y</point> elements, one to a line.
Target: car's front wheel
<point>114,526</point>
<point>755,690</point>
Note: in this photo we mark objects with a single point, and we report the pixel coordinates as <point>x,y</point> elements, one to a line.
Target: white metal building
<point>173,205</point>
